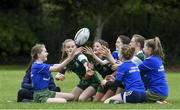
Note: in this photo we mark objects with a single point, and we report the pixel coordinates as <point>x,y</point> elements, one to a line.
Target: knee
<point>21,92</point>
<point>72,97</point>
<point>82,98</point>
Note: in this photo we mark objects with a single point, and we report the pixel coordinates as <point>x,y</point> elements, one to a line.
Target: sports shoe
<point>161,102</point>
<point>114,102</point>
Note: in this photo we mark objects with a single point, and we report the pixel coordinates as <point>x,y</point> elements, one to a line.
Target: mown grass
<point>11,76</point>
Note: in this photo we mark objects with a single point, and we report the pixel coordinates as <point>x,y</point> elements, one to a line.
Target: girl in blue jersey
<point>41,74</point>
<point>121,40</point>
<point>137,42</point>
<point>115,57</point>
<point>89,81</point>
<point>103,67</point>
<point>152,66</point>
<point>128,74</point>
<point>25,94</point>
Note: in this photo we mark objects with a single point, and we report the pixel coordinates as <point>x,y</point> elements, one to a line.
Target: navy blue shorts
<point>133,96</point>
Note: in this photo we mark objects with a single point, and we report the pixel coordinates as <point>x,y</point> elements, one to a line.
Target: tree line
<point>26,22</point>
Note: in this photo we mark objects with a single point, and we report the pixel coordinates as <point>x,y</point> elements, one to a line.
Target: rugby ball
<point>82,36</point>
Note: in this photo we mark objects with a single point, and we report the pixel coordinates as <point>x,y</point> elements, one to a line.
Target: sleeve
<point>26,83</point>
<point>145,66</point>
<point>44,68</point>
<point>115,55</point>
<point>82,58</point>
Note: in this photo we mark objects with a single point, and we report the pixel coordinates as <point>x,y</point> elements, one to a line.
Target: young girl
<point>128,74</point>
<point>41,74</point>
<point>115,57</point>
<point>25,94</point>
<point>152,66</point>
<point>89,81</point>
<point>121,40</point>
<point>137,42</point>
<point>103,67</point>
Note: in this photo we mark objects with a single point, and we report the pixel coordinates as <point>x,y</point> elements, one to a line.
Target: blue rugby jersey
<point>116,55</point>
<point>128,73</point>
<point>40,76</point>
<point>156,78</point>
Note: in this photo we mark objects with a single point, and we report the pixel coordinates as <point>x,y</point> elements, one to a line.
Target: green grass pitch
<point>11,77</point>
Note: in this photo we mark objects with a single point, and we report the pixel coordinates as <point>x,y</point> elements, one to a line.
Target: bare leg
<point>116,97</point>
<point>76,92</point>
<point>67,96</point>
<point>56,100</point>
<point>119,90</point>
<point>87,93</point>
<point>98,96</point>
<point>108,94</point>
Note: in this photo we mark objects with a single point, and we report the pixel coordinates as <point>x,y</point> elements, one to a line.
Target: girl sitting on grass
<point>152,66</point>
<point>41,74</point>
<point>89,81</point>
<point>127,74</point>
<point>103,66</point>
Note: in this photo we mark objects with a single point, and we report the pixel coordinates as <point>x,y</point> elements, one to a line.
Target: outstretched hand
<point>88,50</point>
<point>105,51</point>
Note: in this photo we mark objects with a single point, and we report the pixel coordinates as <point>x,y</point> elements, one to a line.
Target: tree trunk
<point>99,28</point>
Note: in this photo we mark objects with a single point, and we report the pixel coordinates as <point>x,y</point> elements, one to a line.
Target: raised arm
<point>89,51</point>
<point>57,67</point>
<point>107,53</point>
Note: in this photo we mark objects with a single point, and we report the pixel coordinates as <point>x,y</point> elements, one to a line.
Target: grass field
<point>10,80</point>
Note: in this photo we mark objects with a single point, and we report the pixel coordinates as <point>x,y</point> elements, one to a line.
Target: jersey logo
<point>46,79</point>
<point>161,68</point>
<point>134,69</point>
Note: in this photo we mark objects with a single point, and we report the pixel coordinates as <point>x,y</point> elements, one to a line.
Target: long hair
<point>127,52</point>
<point>64,54</point>
<point>156,46</point>
<point>36,49</point>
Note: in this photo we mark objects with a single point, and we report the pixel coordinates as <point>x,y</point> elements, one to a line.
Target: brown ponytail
<point>34,55</point>
<point>127,52</point>
<point>156,46</point>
